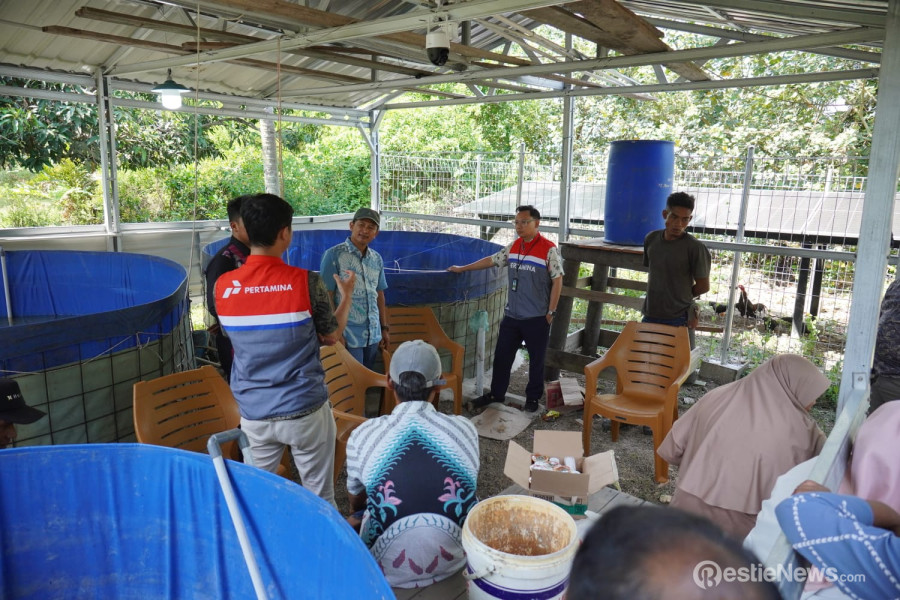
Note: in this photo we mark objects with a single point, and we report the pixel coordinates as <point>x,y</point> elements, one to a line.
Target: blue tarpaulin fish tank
<point>137,521</point>
<point>415,265</point>
<point>86,327</point>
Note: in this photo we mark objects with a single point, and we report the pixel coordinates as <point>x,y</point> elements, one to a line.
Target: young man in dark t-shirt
<point>679,266</point>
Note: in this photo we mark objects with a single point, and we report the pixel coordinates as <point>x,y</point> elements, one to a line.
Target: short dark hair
<point>411,387</point>
<point>682,199</point>
<point>535,213</point>
<point>234,207</point>
<point>634,552</point>
<point>264,215</point>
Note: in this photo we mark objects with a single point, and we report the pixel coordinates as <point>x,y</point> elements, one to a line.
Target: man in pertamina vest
<point>534,268</point>
<point>276,317</point>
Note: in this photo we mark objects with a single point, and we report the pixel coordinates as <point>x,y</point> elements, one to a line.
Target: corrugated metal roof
<point>87,35</point>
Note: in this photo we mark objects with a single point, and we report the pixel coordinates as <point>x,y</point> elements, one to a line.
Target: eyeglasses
<point>525,222</point>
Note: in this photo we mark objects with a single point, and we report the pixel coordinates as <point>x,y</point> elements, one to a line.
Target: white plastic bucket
<point>517,548</point>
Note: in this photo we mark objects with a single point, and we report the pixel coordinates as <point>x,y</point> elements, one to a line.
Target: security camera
<point>437,46</point>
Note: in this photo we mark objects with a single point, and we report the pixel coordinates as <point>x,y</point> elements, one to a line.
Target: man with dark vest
<point>277,316</point>
<point>534,268</point>
<point>231,256</point>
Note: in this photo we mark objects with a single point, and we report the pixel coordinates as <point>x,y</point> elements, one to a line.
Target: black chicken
<point>719,309</point>
<point>747,308</point>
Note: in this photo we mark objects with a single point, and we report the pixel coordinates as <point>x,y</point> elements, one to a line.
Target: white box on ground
<point>570,489</point>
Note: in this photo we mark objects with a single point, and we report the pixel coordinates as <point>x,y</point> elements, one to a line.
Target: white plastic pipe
<point>231,500</point>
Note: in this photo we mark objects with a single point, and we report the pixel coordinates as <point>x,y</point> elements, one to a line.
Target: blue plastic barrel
<point>639,178</point>
<point>140,521</point>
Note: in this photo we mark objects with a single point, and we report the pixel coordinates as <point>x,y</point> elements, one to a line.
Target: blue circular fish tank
<point>85,327</point>
<point>141,521</point>
<point>415,265</point>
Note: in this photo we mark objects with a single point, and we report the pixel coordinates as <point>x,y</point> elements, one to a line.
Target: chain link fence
<point>782,232</point>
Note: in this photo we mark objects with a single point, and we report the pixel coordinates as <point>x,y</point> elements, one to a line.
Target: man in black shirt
<point>230,257</point>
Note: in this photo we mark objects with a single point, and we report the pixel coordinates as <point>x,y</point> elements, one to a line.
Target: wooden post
<point>560,327</point>
<point>594,311</point>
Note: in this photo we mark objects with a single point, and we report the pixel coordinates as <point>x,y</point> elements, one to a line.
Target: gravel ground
<point>633,450</point>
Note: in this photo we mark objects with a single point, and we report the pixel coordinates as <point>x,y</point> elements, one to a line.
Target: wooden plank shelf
<point>561,355</point>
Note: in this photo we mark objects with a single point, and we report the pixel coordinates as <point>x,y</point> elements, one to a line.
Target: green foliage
<point>80,200</point>
<point>35,133</point>
<point>64,193</point>
<point>315,185</point>
<point>168,194</point>
<point>22,210</point>
<point>147,138</point>
<point>327,181</point>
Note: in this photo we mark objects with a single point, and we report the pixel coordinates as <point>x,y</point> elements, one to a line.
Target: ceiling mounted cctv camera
<point>437,44</point>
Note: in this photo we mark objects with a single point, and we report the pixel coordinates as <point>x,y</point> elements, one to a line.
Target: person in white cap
<point>14,411</point>
<point>411,476</point>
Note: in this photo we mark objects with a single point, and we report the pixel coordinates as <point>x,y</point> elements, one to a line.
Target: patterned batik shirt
<point>419,470</point>
<point>837,535</point>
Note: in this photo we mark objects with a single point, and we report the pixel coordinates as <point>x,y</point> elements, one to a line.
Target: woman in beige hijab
<point>736,440</point>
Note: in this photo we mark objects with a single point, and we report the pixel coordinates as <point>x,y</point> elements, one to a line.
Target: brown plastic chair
<point>347,381</point>
<point>651,363</point>
<point>410,323</point>
<point>182,410</point>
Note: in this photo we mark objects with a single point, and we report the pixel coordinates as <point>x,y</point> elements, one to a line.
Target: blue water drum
<point>638,181</point>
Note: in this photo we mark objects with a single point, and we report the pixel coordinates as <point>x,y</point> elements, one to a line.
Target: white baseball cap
<point>420,357</point>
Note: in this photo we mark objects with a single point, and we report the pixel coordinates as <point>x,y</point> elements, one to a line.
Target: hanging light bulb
<point>170,93</point>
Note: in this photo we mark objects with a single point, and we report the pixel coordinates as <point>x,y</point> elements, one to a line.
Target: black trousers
<point>535,333</point>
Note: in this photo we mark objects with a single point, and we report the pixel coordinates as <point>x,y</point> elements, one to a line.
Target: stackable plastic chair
<point>183,409</point>
<point>347,381</point>
<point>651,363</point>
<point>410,323</point>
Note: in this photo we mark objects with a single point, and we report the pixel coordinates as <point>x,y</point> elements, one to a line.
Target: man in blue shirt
<point>367,327</point>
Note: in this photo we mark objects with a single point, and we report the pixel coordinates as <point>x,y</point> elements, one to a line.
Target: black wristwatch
<point>386,327</point>
<point>552,313</point>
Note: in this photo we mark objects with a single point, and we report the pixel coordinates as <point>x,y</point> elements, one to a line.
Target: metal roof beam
<point>658,87</point>
<point>226,99</point>
<point>806,11</point>
<point>406,22</point>
<point>802,42</point>
<point>44,75</point>
<point>741,36</point>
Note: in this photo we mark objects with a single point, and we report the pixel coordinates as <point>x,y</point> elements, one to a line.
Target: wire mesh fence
<point>801,215</point>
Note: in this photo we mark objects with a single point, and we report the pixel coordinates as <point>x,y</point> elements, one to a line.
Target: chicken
<point>719,309</point>
<point>748,308</point>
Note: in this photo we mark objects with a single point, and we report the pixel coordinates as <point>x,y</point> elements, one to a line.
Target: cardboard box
<point>565,489</point>
<point>564,395</point>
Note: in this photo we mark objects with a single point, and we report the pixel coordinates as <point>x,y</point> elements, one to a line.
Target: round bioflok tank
<point>85,327</point>
<point>416,272</point>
